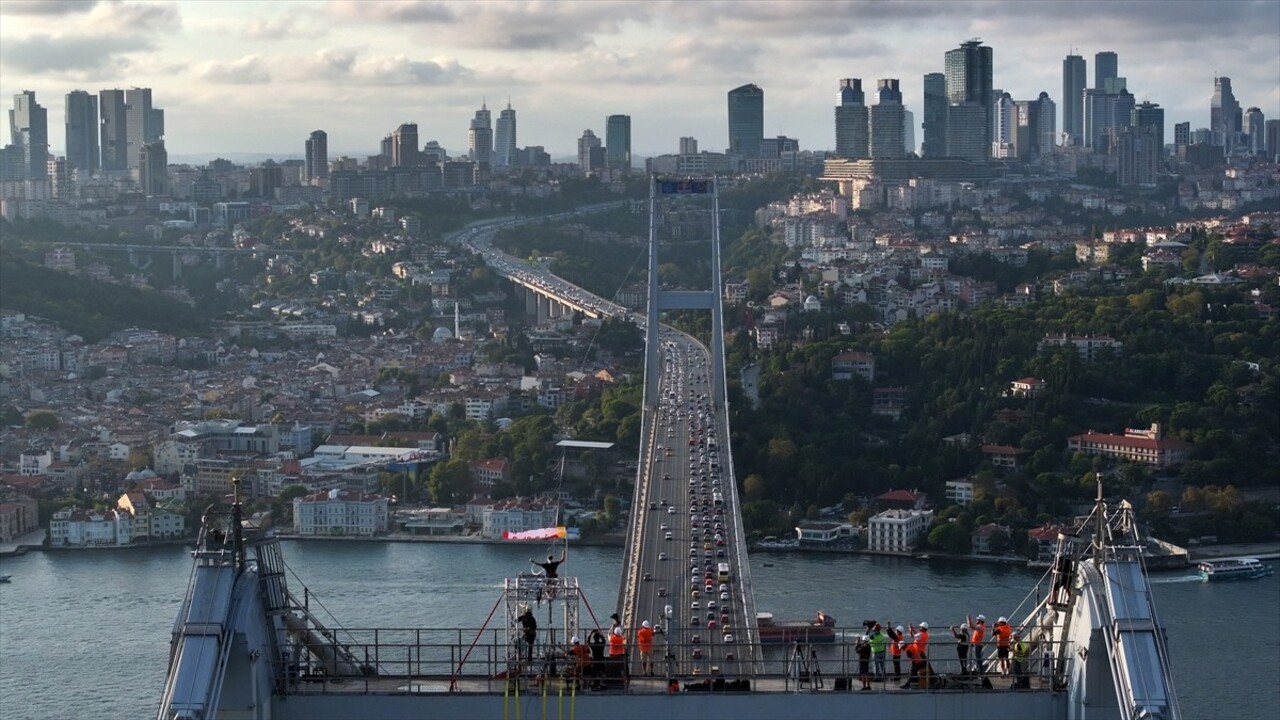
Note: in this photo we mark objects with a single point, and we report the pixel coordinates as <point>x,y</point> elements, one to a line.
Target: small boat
<point>5,578</point>
<point>1234,569</point>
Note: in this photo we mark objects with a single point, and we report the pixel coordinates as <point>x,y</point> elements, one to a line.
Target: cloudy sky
<point>256,77</point>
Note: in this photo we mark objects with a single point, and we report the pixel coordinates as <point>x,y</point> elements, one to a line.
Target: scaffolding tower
<point>555,603</point>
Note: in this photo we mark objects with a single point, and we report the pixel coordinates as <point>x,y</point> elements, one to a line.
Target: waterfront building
<point>517,515</point>
<point>76,527</point>
<point>968,70</point>
<point>746,121</point>
<point>29,134</point>
<point>617,142</point>
<point>19,515</point>
<point>1073,85</point>
<point>340,513</point>
<point>505,150</point>
<point>82,133</point>
<point>897,531</point>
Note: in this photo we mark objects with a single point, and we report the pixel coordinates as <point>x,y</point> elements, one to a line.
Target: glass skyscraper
<point>969,71</point>
<point>1073,85</point>
<point>617,142</point>
<point>82,132</point>
<point>851,120</point>
<point>504,138</point>
<point>746,121</point>
<point>935,115</point>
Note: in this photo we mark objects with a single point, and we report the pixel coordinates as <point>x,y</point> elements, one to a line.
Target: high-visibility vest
<point>1021,650</point>
<point>644,638</point>
<point>878,641</point>
<point>979,633</point>
<point>1003,633</point>
<point>617,645</point>
<point>913,651</point>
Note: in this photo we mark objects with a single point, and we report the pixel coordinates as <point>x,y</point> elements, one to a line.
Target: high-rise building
<point>1106,67</point>
<point>1005,117</point>
<point>1035,127</point>
<point>29,133</point>
<point>1182,134</point>
<point>589,147</point>
<point>688,146</point>
<point>1254,129</point>
<point>886,121</point>
<point>114,135</point>
<point>1073,85</point>
<point>1137,156</point>
<point>617,142</point>
<point>1224,113</point>
<point>61,182</point>
<point>504,137</point>
<point>746,121</point>
<point>1104,111</point>
<point>153,169</point>
<point>316,166</point>
<point>82,133</point>
<point>851,120</point>
<point>143,124</point>
<point>1273,140</point>
<point>480,136</point>
<point>968,71</point>
<point>1149,114</point>
<point>935,115</point>
<point>909,132</point>
<point>404,146</point>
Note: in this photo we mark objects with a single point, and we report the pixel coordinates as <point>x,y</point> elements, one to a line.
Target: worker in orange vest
<point>975,642</point>
<point>581,656</point>
<point>618,653</point>
<point>918,664</point>
<point>644,641</point>
<point>895,649</point>
<point>1003,632</point>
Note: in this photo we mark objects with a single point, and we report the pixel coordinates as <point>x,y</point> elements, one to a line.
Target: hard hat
<point>964,626</point>
<point>900,628</point>
<point>617,631</point>
<point>982,618</point>
<point>644,624</point>
<point>1001,619</point>
<point>924,626</point>
<point>575,640</point>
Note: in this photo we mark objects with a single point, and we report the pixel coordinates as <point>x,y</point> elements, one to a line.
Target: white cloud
<point>248,70</point>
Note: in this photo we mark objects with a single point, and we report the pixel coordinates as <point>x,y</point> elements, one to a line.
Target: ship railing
<point>410,660</point>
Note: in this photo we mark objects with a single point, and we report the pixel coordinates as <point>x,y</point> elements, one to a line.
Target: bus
<point>724,573</point>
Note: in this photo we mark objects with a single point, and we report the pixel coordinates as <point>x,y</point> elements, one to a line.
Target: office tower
<point>886,121</point>
<point>851,120</point>
<point>1005,117</point>
<point>317,156</point>
<point>61,182</point>
<point>480,136</point>
<point>1106,67</point>
<point>1253,128</point>
<point>82,132</point>
<point>968,124</point>
<point>29,133</point>
<point>1202,136</point>
<point>1224,113</point>
<point>11,159</point>
<point>1149,114</point>
<point>688,146</point>
<point>114,135</point>
<point>588,148</point>
<point>1104,112</point>
<point>404,145</point>
<point>1073,84</point>
<point>1137,156</point>
<point>969,80</point>
<point>1035,127</point>
<point>935,115</point>
<point>746,121</point>
<point>1182,134</point>
<point>617,142</point>
<point>143,124</point>
<point>1273,140</point>
<point>504,137</point>
<point>153,169</point>
<point>433,152</point>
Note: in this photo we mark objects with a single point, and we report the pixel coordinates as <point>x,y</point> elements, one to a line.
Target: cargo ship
<point>820,629</point>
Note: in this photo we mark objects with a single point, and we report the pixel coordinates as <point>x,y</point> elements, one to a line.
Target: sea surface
<point>86,634</point>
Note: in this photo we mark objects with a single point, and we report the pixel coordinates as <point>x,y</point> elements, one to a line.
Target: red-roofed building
<point>19,515</point>
<point>982,536</point>
<point>1003,456</point>
<point>1046,537</point>
<point>488,473</point>
<point>901,500</point>
<point>848,364</point>
<point>1027,387</point>
<point>1145,446</point>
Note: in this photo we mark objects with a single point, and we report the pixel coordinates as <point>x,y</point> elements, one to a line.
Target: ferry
<point>1234,569</point>
<point>820,629</point>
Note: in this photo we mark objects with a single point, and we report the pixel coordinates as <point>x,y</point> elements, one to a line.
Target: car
<point>695,605</point>
<point>662,592</point>
<point>695,639</point>
<point>694,593</point>
<point>728,638</point>
<point>711,624</point>
<point>711,604</point>
<point>711,615</point>
<point>653,506</point>
<point>669,536</point>
<point>693,620</point>
<point>724,596</point>
<point>671,510</point>
<point>662,556</point>
<point>697,652</point>
<point>648,577</point>
<point>724,587</point>
<point>724,618</point>
<point>665,527</point>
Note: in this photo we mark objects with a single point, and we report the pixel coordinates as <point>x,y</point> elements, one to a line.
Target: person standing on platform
<point>1021,660</point>
<point>596,642</point>
<point>895,649</point>
<point>644,642</point>
<point>864,661</point>
<point>550,575</point>
<point>618,654</point>
<point>962,647</point>
<point>530,629</point>
<point>976,639</point>
<point>1003,632</point>
<point>878,641</point>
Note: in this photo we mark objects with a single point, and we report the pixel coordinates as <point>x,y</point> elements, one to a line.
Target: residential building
<point>82,133</point>
<point>959,492</point>
<point>897,531</point>
<point>1150,115</point>
<point>901,500</point>
<point>1089,347</point>
<point>76,527</point>
<point>689,145</point>
<point>19,515</point>
<point>1003,456</point>
<point>1147,446</point>
<point>1137,155</point>
<point>340,513</point>
<point>846,365</point>
<point>746,121</point>
<point>491,472</point>
<point>1027,387</point>
<point>851,120</point>
<point>1046,539</point>
<point>983,535</point>
<point>617,142</point>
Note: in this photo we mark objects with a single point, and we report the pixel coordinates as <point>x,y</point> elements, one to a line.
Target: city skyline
<point>223,72</point>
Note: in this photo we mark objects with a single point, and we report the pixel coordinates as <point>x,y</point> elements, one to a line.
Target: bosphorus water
<point>86,634</point>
